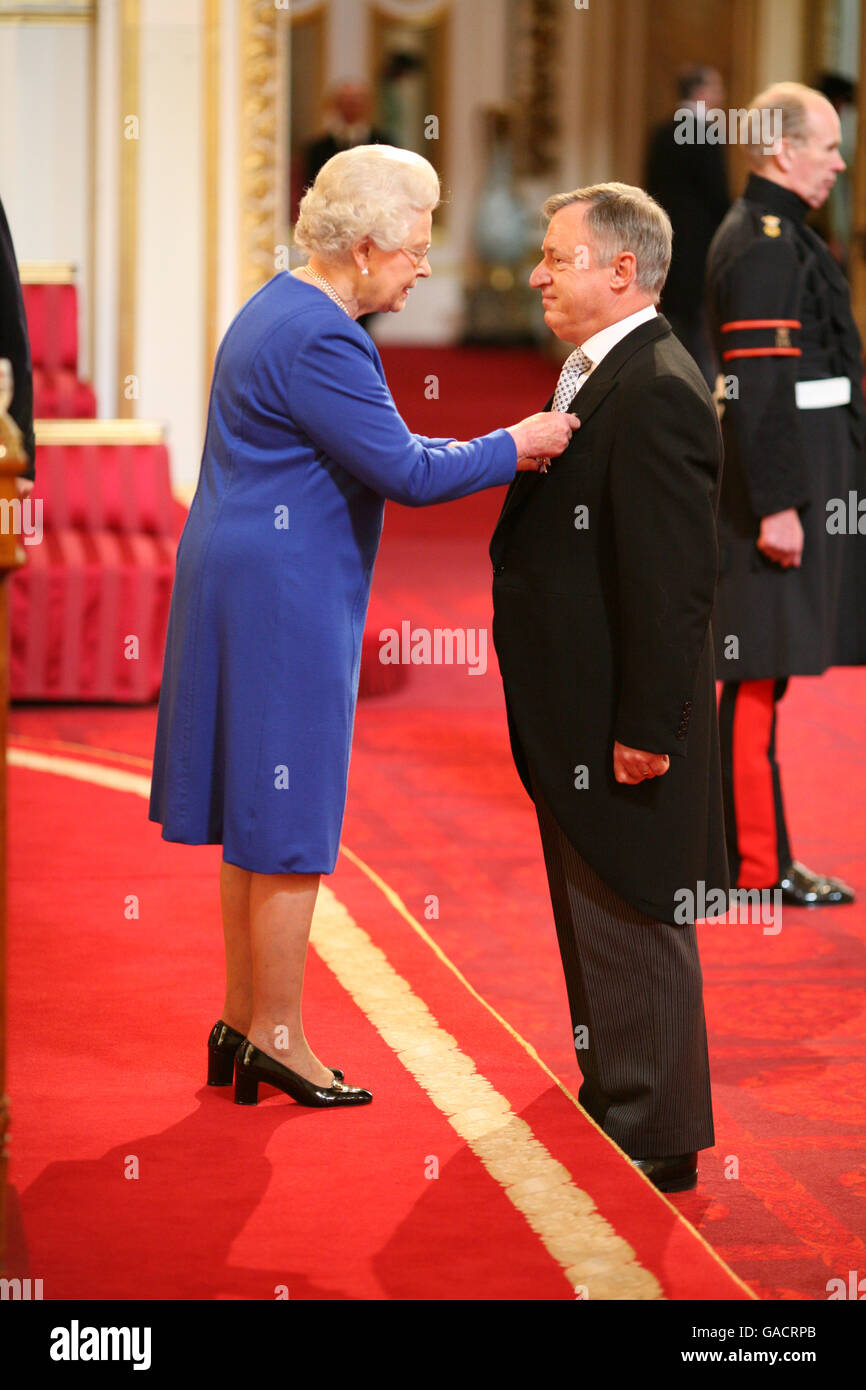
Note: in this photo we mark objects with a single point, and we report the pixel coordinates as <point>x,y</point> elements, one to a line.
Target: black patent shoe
<point>678,1174</point>
<point>222,1045</point>
<point>253,1066</point>
<point>803,888</point>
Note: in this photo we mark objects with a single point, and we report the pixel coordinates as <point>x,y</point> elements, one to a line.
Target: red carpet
<point>233,1204</point>
<point>137,1181</point>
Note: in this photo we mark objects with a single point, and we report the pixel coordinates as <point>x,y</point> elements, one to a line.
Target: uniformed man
<point>792,584</point>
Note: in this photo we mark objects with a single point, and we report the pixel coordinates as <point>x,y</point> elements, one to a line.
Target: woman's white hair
<point>374,191</point>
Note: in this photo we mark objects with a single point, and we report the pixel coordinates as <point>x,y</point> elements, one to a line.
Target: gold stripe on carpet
<point>112,777</point>
<point>396,902</point>
<point>562,1215</point>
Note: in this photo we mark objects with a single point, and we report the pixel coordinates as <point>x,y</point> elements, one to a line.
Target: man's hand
<point>633,765</point>
<point>781,538</point>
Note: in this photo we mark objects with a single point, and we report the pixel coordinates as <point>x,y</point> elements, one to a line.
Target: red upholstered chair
<point>51,305</point>
<point>89,610</point>
<point>61,396</point>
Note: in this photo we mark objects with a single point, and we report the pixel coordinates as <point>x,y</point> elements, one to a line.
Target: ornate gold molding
<point>211,170</point>
<point>261,144</point>
<point>434,15</point>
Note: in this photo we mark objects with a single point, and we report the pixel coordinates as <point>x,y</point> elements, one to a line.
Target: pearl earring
<point>365,271</point>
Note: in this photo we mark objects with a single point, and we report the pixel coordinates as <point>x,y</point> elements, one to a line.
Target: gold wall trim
<point>438,15</point>
<point>743,80</point>
<point>128,239</point>
<point>812,38</point>
<point>210,171</point>
<point>93,147</point>
<point>47,272</point>
<point>316,20</point>
<point>419,15</point>
<point>99,431</point>
<point>48,14</point>
<point>261,118</point>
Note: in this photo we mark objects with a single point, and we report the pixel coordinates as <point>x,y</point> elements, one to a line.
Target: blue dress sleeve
<point>339,398</point>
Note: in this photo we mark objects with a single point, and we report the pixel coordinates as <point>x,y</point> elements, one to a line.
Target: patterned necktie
<point>574,367</point>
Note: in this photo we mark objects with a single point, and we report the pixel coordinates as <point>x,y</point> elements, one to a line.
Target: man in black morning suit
<point>604,579</point>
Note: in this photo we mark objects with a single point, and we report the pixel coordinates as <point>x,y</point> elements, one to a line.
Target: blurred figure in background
<point>348,123</point>
<point>690,182</point>
<point>405,98</point>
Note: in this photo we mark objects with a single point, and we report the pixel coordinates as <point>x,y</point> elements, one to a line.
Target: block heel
<point>246,1087</point>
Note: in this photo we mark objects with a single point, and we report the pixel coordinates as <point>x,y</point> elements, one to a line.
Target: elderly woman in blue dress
<point>303,446</point>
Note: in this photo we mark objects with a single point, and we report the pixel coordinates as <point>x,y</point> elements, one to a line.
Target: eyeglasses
<point>416,257</point>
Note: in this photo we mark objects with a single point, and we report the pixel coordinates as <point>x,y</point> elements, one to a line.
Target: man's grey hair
<point>788,105</point>
<point>624,218</point>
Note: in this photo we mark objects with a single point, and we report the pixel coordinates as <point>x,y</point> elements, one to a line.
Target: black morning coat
<point>604,578</point>
<point>780,309</point>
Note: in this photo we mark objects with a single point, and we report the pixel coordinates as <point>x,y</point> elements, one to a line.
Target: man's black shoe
<point>678,1174</point>
<point>802,888</point>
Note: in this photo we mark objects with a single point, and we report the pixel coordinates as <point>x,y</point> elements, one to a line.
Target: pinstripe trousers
<point>635,991</point>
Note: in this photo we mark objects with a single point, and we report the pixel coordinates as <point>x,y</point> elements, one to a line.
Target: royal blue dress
<point>260,680</point>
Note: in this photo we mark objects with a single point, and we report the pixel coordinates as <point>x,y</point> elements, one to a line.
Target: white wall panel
<point>169,348</point>
<point>45,161</point>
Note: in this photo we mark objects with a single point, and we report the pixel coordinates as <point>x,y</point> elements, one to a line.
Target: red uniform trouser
<point>758,849</point>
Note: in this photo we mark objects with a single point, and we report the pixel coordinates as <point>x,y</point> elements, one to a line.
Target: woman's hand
<point>542,436</point>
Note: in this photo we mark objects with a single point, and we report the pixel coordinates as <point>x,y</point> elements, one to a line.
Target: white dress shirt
<point>600,344</point>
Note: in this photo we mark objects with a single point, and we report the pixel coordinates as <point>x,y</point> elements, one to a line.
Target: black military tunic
<point>780,312</point>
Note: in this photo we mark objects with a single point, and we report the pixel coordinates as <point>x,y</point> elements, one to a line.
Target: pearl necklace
<point>326,286</point>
